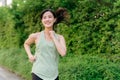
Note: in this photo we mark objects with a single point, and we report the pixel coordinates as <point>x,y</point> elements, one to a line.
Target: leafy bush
<point>8,35</point>
<point>89,67</point>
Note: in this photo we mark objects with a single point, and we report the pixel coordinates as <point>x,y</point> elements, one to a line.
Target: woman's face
<point>48,19</point>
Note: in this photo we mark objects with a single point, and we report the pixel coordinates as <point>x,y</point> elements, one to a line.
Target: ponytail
<point>61,14</point>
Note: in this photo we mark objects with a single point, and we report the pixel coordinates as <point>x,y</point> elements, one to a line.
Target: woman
<point>49,46</point>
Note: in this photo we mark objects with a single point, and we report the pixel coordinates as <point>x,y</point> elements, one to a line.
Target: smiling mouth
<point>47,23</point>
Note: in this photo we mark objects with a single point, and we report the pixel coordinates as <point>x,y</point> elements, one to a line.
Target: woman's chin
<point>48,26</point>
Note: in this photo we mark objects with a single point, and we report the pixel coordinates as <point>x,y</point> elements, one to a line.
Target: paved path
<point>6,75</point>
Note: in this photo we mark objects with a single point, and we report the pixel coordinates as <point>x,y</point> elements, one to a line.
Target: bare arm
<point>60,44</point>
<point>30,40</point>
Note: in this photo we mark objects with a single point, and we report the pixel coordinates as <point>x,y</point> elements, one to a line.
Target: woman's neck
<point>47,34</point>
<point>47,30</point>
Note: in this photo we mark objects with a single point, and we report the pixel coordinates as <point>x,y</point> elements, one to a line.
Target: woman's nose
<point>47,18</point>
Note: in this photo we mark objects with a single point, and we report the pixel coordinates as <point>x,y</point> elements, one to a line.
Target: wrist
<point>29,55</point>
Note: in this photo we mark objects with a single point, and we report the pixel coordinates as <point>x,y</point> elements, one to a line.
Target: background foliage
<point>92,34</point>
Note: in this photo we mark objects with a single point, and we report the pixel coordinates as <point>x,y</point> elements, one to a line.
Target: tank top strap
<point>42,36</point>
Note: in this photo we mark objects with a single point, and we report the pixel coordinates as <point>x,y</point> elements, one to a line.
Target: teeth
<point>47,23</point>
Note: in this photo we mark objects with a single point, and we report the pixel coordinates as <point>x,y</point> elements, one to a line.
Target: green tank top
<point>46,64</point>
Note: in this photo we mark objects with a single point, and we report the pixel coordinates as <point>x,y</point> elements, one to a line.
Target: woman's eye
<point>44,17</point>
<point>50,16</point>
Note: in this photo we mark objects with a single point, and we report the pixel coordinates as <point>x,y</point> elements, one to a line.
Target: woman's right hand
<point>32,58</point>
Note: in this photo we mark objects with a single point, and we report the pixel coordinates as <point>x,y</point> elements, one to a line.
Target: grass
<point>16,61</point>
<point>71,67</point>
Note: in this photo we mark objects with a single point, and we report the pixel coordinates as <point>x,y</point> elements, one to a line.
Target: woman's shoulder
<point>60,36</point>
<point>34,35</point>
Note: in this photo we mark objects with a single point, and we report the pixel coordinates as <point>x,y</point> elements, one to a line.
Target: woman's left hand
<point>52,34</point>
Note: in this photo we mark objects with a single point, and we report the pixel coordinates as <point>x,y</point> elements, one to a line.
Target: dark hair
<point>60,14</point>
<point>41,15</point>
